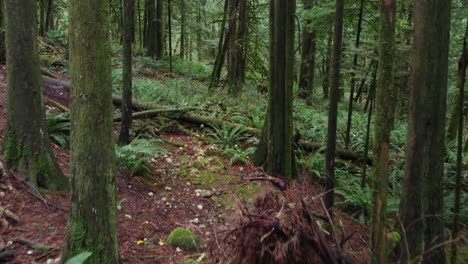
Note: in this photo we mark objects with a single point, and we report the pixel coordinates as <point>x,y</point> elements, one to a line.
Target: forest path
<point>191,186</point>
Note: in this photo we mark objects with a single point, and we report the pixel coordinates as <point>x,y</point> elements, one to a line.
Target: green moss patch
<point>184,239</point>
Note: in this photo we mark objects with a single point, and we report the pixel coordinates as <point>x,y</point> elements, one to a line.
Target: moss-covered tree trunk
<point>183,33</point>
<point>154,37</point>
<point>384,118</point>
<point>422,193</point>
<point>275,150</point>
<point>2,33</point>
<point>92,220</point>
<point>462,65</point>
<point>237,48</point>
<point>333,107</point>
<point>26,147</point>
<point>124,136</point>
<point>307,71</point>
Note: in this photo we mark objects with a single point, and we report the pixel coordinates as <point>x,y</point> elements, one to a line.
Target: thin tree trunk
<point>126,124</point>
<point>215,75</point>
<point>169,27</point>
<point>307,71</point>
<point>462,65</point>
<point>183,36</point>
<point>159,30</point>
<point>92,223</point>
<point>326,71</point>
<point>422,193</point>
<point>384,118</point>
<point>26,146</point>
<point>333,107</point>
<point>353,76</point>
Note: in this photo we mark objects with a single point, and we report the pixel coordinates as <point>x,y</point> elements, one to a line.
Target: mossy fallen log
<point>192,118</point>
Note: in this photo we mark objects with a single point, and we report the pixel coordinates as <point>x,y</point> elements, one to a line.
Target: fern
<point>134,157</point>
<point>58,127</point>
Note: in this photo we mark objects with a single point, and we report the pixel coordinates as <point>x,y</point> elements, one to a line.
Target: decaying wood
<point>9,215</point>
<point>7,255</point>
<point>202,120</point>
<point>157,112</point>
<point>32,244</point>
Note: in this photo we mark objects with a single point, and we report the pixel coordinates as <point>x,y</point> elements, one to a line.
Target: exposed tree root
<point>274,231</point>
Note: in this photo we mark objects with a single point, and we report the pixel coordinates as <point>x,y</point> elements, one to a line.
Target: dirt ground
<point>152,208</point>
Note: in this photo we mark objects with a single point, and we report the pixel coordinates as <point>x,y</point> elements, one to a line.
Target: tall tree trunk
<point>154,29</point>
<point>462,65</point>
<point>92,221</point>
<point>49,23</point>
<point>223,45</point>
<point>452,130</point>
<point>307,71</point>
<point>2,33</point>
<point>169,27</point>
<point>159,53</point>
<point>422,194</point>
<point>353,76</point>
<point>333,107</point>
<point>384,118</point>
<point>183,34</point>
<point>126,124</point>
<point>326,65</point>
<point>26,146</point>
<point>237,49</point>
<point>275,150</point>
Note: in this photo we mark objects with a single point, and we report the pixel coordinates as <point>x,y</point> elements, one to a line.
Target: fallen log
<point>156,112</point>
<point>64,87</point>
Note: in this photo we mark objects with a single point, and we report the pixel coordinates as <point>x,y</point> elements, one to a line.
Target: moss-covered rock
<point>184,239</point>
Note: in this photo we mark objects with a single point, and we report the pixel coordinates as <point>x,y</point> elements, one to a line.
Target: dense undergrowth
<point>187,86</point>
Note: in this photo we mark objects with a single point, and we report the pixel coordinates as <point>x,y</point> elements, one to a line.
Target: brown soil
<point>151,209</point>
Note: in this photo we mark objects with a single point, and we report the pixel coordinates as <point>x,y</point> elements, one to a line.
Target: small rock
<point>200,207</point>
<point>164,199</point>
<point>29,252</point>
<point>9,243</point>
<point>150,194</point>
<point>2,194</point>
<point>169,160</point>
<point>178,250</point>
<point>168,189</point>
<point>292,205</point>
<point>129,217</point>
<point>206,193</point>
<point>153,160</point>
<point>194,221</point>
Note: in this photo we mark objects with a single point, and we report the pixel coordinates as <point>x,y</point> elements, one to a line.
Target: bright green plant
<point>225,137</point>
<point>134,157</point>
<point>239,155</point>
<point>58,127</point>
<point>80,258</point>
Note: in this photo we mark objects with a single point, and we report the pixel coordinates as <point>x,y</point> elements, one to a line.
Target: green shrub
<point>58,127</point>
<point>134,157</point>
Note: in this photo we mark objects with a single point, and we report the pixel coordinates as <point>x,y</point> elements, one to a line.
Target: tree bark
<point>333,107</point>
<point>422,194</point>
<point>92,221</point>
<point>307,71</point>
<point>353,76</point>
<point>26,145</point>
<point>237,48</point>
<point>279,159</point>
<point>386,97</point>
<point>462,65</point>
<point>183,33</point>
<point>126,124</point>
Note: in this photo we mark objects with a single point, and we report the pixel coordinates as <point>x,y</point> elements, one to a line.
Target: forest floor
<point>151,207</point>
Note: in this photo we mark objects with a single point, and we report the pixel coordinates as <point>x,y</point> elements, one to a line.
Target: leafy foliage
<point>79,259</point>
<point>226,137</point>
<point>134,157</point>
<point>58,127</point>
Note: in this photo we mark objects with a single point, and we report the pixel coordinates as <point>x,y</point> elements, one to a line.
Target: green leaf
<point>80,258</point>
